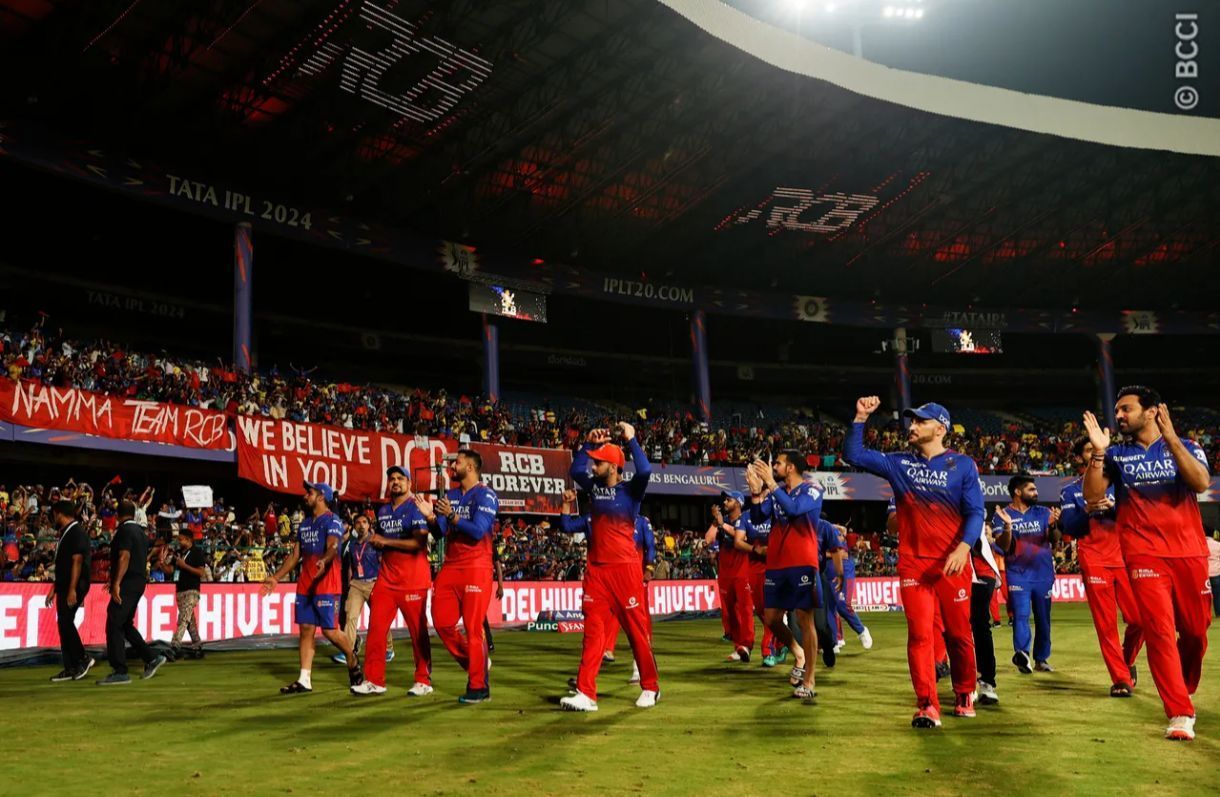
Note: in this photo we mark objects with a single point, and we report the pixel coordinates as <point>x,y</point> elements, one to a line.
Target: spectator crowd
<point>669,435</point>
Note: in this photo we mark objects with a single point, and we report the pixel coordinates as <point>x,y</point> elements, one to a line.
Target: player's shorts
<point>319,610</point>
<point>791,588</point>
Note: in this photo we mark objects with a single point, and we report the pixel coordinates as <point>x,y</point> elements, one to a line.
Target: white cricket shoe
<point>367,688</point>
<point>647,699</point>
<point>1181,729</point>
<point>419,690</point>
<point>635,673</point>
<point>578,702</point>
<point>986,694</point>
<point>866,639</point>
<point>839,646</point>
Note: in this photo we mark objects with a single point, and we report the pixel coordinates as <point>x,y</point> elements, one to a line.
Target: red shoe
<point>965,706</point>
<point>927,717</point>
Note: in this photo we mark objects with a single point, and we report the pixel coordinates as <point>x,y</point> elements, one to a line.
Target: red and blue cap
<point>324,489</point>
<point>929,412</point>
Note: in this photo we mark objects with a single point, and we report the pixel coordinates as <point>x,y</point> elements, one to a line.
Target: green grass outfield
<point>218,726</point>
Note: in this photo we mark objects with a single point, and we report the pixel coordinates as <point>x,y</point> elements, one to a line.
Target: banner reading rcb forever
<point>281,455</point>
<point>526,479</point>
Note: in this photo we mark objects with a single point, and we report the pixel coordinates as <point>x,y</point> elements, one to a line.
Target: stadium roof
<point>617,136</point>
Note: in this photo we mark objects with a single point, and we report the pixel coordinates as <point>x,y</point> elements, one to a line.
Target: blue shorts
<point>791,588</point>
<point>319,610</point>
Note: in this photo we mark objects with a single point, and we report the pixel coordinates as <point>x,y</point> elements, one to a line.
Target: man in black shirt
<point>190,562</point>
<point>72,560</point>
<point>128,575</point>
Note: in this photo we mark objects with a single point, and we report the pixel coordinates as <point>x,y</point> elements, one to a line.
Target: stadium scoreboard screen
<point>960,340</point>
<point>507,302</point>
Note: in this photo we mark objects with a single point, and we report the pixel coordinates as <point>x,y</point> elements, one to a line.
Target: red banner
<point>233,611</point>
<point>526,479</point>
<point>70,410</point>
<point>280,455</point>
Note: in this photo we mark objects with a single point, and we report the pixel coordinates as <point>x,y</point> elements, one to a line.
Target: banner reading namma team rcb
<point>31,404</point>
<point>280,455</point>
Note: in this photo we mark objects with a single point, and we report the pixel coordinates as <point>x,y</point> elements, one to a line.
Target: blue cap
<point>930,412</point>
<point>325,489</point>
<point>736,495</point>
<point>390,471</point>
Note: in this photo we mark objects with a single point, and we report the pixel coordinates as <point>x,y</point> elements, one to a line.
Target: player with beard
<point>940,518</point>
<point>1157,478</point>
<point>319,585</point>
<point>731,529</point>
<point>793,506</point>
<point>466,517</point>
<point>1106,585</point>
<point>614,578</point>
<point>1027,531</point>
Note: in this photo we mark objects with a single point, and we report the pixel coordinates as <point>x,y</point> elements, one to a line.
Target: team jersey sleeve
<point>854,453</point>
<point>417,523</point>
<point>761,511</point>
<point>1072,517</point>
<point>807,499</point>
<point>574,524</point>
<point>580,468</point>
<point>482,515</point>
<point>643,470</point>
<point>970,505</point>
<point>828,537</point>
<point>334,528</point>
<point>650,542</point>
<point>1197,453</point>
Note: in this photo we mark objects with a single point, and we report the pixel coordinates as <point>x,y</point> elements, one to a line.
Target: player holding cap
<point>319,585</point>
<point>465,516</point>
<point>402,585</point>
<point>1157,478</point>
<point>732,531</point>
<point>614,578</point>
<point>940,518</point>
<point>1106,585</point>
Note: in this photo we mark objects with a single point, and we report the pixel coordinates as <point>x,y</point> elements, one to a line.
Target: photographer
<point>189,561</point>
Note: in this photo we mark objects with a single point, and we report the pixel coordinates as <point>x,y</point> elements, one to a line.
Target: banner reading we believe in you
<point>281,455</point>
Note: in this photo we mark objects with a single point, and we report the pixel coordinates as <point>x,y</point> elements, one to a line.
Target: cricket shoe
<point>986,694</point>
<point>367,688</point>
<point>964,706</point>
<point>1023,662</point>
<point>866,639</point>
<point>1181,729</point>
<point>647,699</point>
<point>579,702</point>
<point>926,718</point>
<point>635,673</point>
<point>419,689</point>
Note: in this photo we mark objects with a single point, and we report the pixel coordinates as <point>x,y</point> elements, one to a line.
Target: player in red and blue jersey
<point>1026,533</point>
<point>1106,584</point>
<point>940,518</point>
<point>645,541</point>
<point>730,531</point>
<point>1157,477</point>
<point>793,506</point>
<point>319,585</point>
<point>465,517</point>
<point>402,585</point>
<point>614,577</point>
<point>758,535</point>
